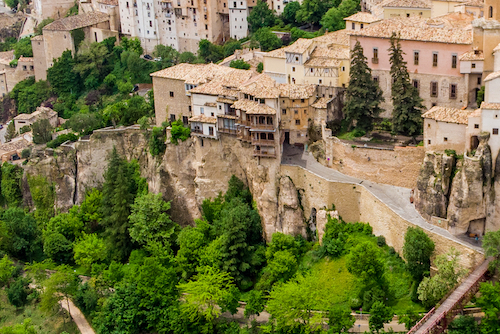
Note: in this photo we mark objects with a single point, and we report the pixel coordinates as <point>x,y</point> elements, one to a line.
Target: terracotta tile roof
<point>449,115</point>
<point>224,100</point>
<point>363,17</point>
<point>299,46</point>
<point>472,55</point>
<point>339,37</point>
<point>41,112</point>
<point>321,103</point>
<point>37,38</point>
<point>195,74</point>
<point>472,3</point>
<point>77,21</point>
<point>226,84</point>
<point>26,59</point>
<point>492,106</point>
<point>296,92</point>
<point>497,48</point>
<point>327,56</point>
<point>253,108</point>
<point>423,4</point>
<point>278,53</point>
<point>109,2</point>
<point>492,76</point>
<point>14,145</point>
<point>262,87</point>
<point>476,113</point>
<point>453,28</point>
<point>203,119</point>
<point>6,57</point>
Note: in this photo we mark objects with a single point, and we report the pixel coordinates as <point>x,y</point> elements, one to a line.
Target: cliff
<point>459,191</point>
<point>186,174</point>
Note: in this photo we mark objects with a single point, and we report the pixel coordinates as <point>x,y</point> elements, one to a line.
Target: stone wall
<point>399,167</point>
<point>354,203</point>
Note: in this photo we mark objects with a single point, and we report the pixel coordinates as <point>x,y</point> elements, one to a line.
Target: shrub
<point>25,129</point>
<point>179,131</point>
<point>358,133</point>
<point>450,153</point>
<point>381,241</point>
<point>61,139</point>
<point>26,153</point>
<point>157,139</point>
<point>240,64</point>
<point>260,67</point>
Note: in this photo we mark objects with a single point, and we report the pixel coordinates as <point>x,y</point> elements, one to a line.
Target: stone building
<point>432,50</point>
<point>10,76</point>
<point>56,9</point>
<point>57,37</point>
<point>359,20</point>
<point>446,129</point>
<point>402,8</point>
<point>22,120</point>
<point>109,7</point>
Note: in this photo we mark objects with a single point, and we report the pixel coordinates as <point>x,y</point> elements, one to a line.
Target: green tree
<point>151,225</point>
<point>11,184</point>
<point>290,13</point>
<point>168,55</point>
<point>30,98</point>
<point>311,11</point>
<point>192,243</point>
<point>463,324</point>
<point>363,95</point>
<point>291,306</point>
<point>255,304</point>
<point>209,52</point>
<point>23,48</point>
<point>187,57</point>
<point>407,112</point>
<point>179,132</point>
<point>417,251</point>
<point>132,44</point>
<point>364,262</point>
<point>489,302</point>
<point>480,96</point>
<point>267,40</point>
<point>340,320</point>
<point>58,288</point>
<point>43,196</point>
<point>379,315</point>
<point>61,76</point>
<point>231,46</point>
<point>42,131</point>
<point>41,25</point>
<point>240,64</point>
<point>491,245</point>
<point>27,326</point>
<point>57,247</point>
<point>18,292</point>
<point>84,123</point>
<point>89,249</point>
<point>409,317</point>
<point>6,270</point>
<point>260,67</point>
<point>12,3</point>
<point>204,293</point>
<point>333,20</point>
<point>91,64</point>
<point>260,16</point>
<point>157,145</point>
<point>11,131</point>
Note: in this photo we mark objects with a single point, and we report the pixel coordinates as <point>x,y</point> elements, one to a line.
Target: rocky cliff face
<point>460,191</point>
<point>185,175</point>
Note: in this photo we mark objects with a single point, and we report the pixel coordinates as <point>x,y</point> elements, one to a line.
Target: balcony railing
<point>244,123</point>
<point>375,60</point>
<point>198,131</point>
<point>263,142</point>
<point>228,131</point>
<point>262,126</point>
<point>264,154</point>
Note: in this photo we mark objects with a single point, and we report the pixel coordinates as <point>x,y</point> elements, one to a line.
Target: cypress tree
<point>407,113</point>
<point>363,95</point>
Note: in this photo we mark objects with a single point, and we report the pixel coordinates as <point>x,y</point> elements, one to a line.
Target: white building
<point>238,13</point>
<point>138,19</point>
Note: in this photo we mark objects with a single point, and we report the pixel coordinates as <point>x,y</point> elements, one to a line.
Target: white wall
<point>492,90</point>
<point>238,13</point>
<point>491,120</point>
<point>436,132</point>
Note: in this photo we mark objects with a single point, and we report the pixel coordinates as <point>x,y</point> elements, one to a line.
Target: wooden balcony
<point>262,126</point>
<point>228,131</point>
<point>244,123</point>
<point>263,154</point>
<point>263,142</point>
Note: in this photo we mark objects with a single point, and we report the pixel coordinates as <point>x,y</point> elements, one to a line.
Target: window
<point>185,119</point>
<point>416,57</point>
<point>454,61</point>
<point>495,131</point>
<point>206,26</point>
<point>202,110</point>
<point>407,15</point>
<point>283,111</point>
<point>302,100</point>
<point>172,118</point>
<point>210,130</point>
<point>262,101</point>
<point>473,65</point>
<point>453,91</point>
<point>429,142</point>
<point>445,138</point>
<point>297,122</point>
<point>476,126</point>
<point>189,108</point>
<point>296,58</point>
<point>353,26</point>
<point>24,68</point>
<point>171,94</point>
<point>375,56</point>
<point>434,59</point>
<point>479,81</point>
<point>320,81</point>
<point>490,12</point>
<point>376,79</point>
<point>296,112</point>
<point>416,84</point>
<point>362,26</point>
<point>293,69</point>
<point>434,89</point>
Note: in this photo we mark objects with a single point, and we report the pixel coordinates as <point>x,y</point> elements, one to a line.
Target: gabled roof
<point>452,28</point>
<point>472,55</point>
<point>77,21</point>
<point>226,84</point>
<point>253,108</point>
<point>491,106</point>
<point>492,76</point>
<point>194,74</point>
<point>299,46</point>
<point>321,103</point>
<point>421,4</point>
<point>203,119</point>
<point>449,115</point>
<point>296,92</point>
<point>363,17</point>
<point>261,87</point>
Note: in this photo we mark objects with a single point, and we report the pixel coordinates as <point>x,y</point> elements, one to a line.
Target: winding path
<point>77,316</point>
<point>396,198</point>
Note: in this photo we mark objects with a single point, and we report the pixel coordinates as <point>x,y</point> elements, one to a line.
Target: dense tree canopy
<point>260,16</point>
<point>417,251</point>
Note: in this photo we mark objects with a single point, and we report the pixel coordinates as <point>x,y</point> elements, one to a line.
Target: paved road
<point>78,317</point>
<point>396,198</point>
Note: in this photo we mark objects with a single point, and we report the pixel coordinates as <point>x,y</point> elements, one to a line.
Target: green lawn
<point>44,324</point>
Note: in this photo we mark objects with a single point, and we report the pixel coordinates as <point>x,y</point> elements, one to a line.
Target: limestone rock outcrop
<point>322,220</point>
<point>185,175</point>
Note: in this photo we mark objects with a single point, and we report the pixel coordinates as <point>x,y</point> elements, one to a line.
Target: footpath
<point>78,317</point>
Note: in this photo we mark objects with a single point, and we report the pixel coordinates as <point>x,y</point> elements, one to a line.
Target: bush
<point>25,129</point>
<point>260,67</point>
<point>381,241</point>
<point>61,139</point>
<point>358,133</point>
<point>450,153</point>
<point>179,132</point>
<point>26,153</point>
<point>157,139</point>
<point>240,64</point>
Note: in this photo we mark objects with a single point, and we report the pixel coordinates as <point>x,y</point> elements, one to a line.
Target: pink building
<point>432,50</point>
